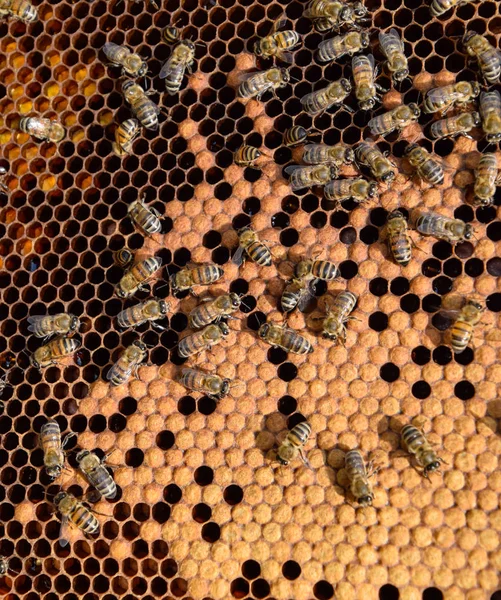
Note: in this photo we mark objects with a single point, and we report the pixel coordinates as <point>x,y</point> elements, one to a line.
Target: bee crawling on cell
<point>415,442</point>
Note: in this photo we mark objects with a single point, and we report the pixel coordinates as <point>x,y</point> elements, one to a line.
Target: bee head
<point>372,189</point>
<point>34,363</point>
<point>367,104</point>
<point>345,83</point>
<point>223,327</point>
<point>475,304</point>
<point>416,111</point>
<point>468,231</point>
<point>282,461</point>
<point>235,300</point>
<point>334,172</point>
<point>475,88</point>
<point>54,471</point>
<point>285,75</point>
<point>172,282</point>
<point>359,9</point>
<point>164,307</point>
<point>366,500</point>
<point>396,214</point>
<point>484,191</point>
<point>432,467</point>
<point>389,176</point>
<point>225,388</point>
<point>143,69</point>
<point>349,156</point>
<point>493,138</point>
<point>139,344</point>
<point>365,39</point>
<point>74,323</point>
<point>476,119</point>
<point>127,84</point>
<point>59,498</point>
<point>329,336</point>
<point>263,330</point>
<point>468,35</point>
<point>257,49</point>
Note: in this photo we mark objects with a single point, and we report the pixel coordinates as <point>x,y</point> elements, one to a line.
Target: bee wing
<point>168,68</point>
<point>306,98</point>
<point>33,322</point>
<point>382,37</point>
<point>372,126</point>
<point>279,23</point>
<point>285,57</point>
<point>109,48</point>
<point>64,525</point>
<point>372,62</point>
<point>305,298</point>
<point>292,168</point>
<point>238,257</point>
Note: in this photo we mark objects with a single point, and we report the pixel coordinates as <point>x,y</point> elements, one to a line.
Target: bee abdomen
<point>202,315</point>
<point>324,269</point>
<point>460,336</point>
<point>289,300</point>
<point>412,437</point>
<point>296,343</point>
<point>103,482</point>
<point>147,114</point>
<point>287,39</point>
<point>131,316</point>
<point>206,275</point>
<point>299,434</point>
<point>260,254</point>
<point>84,519</point>
<point>295,135</point>
<point>354,463</point>
<point>401,249</point>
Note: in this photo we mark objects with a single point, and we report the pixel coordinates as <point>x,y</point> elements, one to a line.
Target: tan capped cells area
<point>203,512</point>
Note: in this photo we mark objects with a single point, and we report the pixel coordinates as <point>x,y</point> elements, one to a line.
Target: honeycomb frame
<point>203,512</point>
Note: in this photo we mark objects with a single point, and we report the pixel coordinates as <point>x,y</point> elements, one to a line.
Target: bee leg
<point>371,469</point>
<point>348,108</point>
<point>159,327</point>
<point>305,460</point>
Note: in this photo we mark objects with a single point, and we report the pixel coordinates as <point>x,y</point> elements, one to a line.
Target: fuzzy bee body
<point>129,361</point>
<point>440,7</point>
<point>145,218</point>
<point>143,108</point>
<point>49,354</point>
<point>357,189</point>
<point>203,339</point>
<point>170,34</point>
<point>132,64</point>
<point>214,310</point>
<point>42,129</point>
<point>255,249</point>
<point>135,278</point>
<point>395,119</point>
<point>398,238</point>
<point>47,325</point>
<point>52,447</point>
<point>393,49</point>
<point>417,444</point>
<point>490,113</point>
<point>302,177</point>
<point>296,293</point>
<point>359,478</point>
<point>487,178</point>
<point>460,124</point>
<point>125,135</point>
<point>334,94</point>
<point>464,326</point>
<point>259,83</point>
<point>456,94</point>
<point>150,310</point>
<point>75,511</point>
<point>380,167</point>
<point>21,10</point>
<point>334,327</point>
<point>96,473</point>
<point>444,228</point>
<point>364,74</point>
<point>345,44</point>
<point>426,166</point>
<point>181,59</point>
<point>123,257</point>
<point>246,156</point>
<point>214,386</point>
<point>333,14</point>
<point>319,154</point>
<point>186,278</point>
<point>318,269</point>
<point>283,337</point>
<point>278,43</point>
<point>295,135</point>
<point>294,443</point>
<point>488,57</point>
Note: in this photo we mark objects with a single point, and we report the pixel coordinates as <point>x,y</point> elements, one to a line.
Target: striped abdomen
<point>84,519</point>
<point>132,316</point>
<point>144,218</point>
<point>193,380</point>
<point>259,253</point>
<point>324,269</point>
<point>174,79</point>
<point>490,64</point>
<point>63,346</point>
<point>203,315</point>
<point>144,269</point>
<point>439,7</point>
<point>298,435</point>
<point>286,39</point>
<point>295,135</point>
<point>147,113</point>
<point>344,303</point>
<point>295,343</point>
<point>461,334</point>
<point>103,482</point>
<point>206,274</point>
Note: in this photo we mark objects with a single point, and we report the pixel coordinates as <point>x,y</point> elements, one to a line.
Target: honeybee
<point>296,293</point>
<point>143,108</point>
<point>318,154</point>
<point>462,329</point>
<point>487,178</point>
<point>457,125</point>
<point>358,476</point>
<point>444,228</point>
<point>75,511</point>
<point>283,337</point>
<point>5,563</point>
<point>426,166</point>
<point>393,49</point>
<point>332,14</point>
<point>357,189</point>
<point>45,326</point>
<point>125,134</point>
<point>490,112</point>
<point>395,119</point>
<point>187,278</point>
<point>255,249</point>
<point>123,257</point>
<point>128,363</point>
<point>136,276</point>
<point>53,448</point>
<point>120,56</point>
<point>213,310</point>
<point>148,219</point>
<point>293,444</point>
<point>203,339</point>
<point>259,83</point>
<point>42,129</point>
<point>296,135</point>
<point>456,94</point>
<point>3,186</point>
<point>338,314</point>
<point>97,475</point>
<point>439,7</point>
<point>181,59</point>
<point>213,386</point>
<point>18,9</point>
<point>316,269</point>
<point>48,354</point>
<point>398,237</point>
<point>277,43</point>
<point>489,58</point>
<point>334,94</point>
<point>171,34</point>
<point>416,443</point>
<point>347,43</point>
<point>364,74</point>
<point>246,156</point>
<point>302,177</point>
<point>3,384</point>
<point>150,310</point>
<point>380,166</point>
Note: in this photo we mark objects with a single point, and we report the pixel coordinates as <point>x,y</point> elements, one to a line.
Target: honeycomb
<point>202,511</point>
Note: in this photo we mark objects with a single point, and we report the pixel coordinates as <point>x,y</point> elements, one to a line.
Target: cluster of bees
<point>323,163</point>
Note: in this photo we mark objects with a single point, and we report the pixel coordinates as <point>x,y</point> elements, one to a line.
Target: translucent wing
<point>371,60</point>
<point>292,169</point>
<point>279,23</point>
<point>33,322</point>
<point>285,57</point>
<point>64,525</point>
<point>238,257</point>
<point>168,68</point>
<point>397,38</point>
<point>305,298</point>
